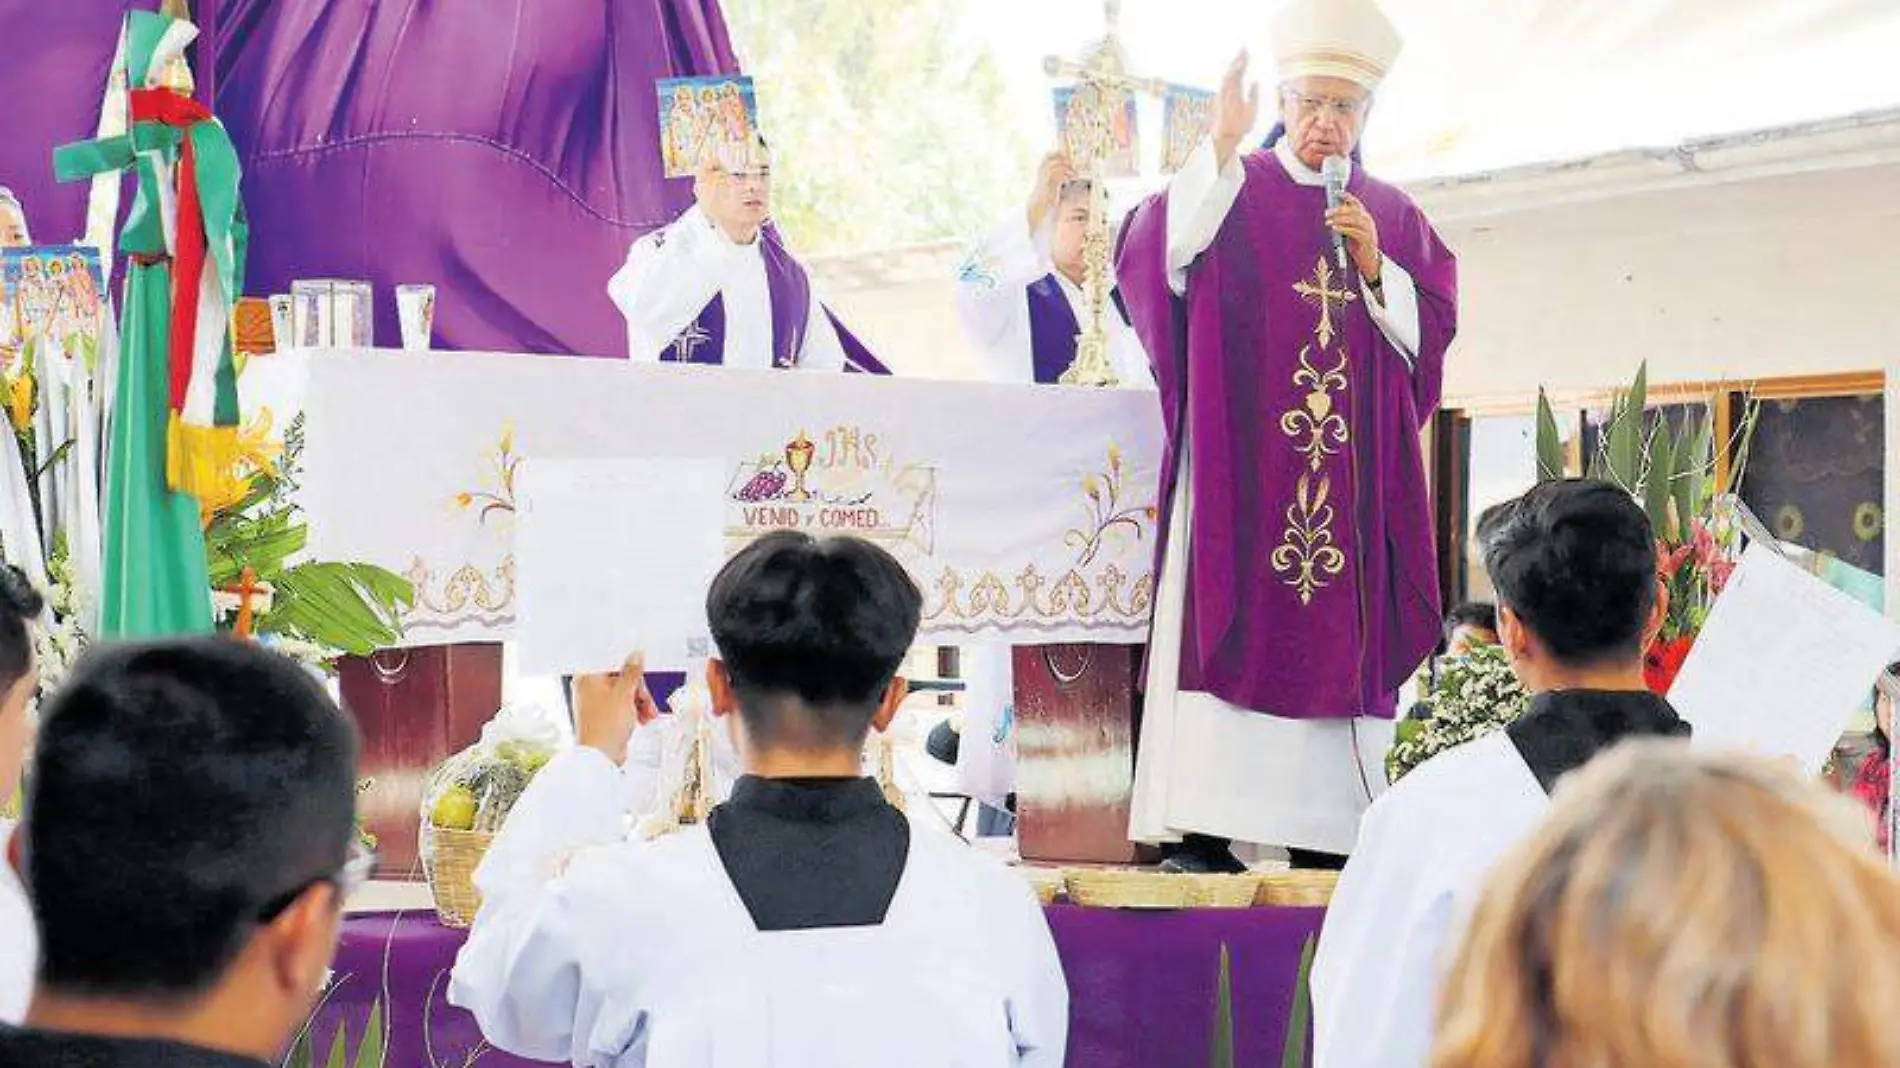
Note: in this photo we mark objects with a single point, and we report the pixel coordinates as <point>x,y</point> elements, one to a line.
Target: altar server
<point>1574,564</point>
<point>805,924</point>
<point>1020,295</point>
<point>20,605</point>
<point>189,842</point>
<point>718,285</point>
<point>1021,301</point>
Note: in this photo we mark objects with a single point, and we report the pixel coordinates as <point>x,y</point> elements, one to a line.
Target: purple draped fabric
<point>506,152</point>
<point>1141,986</point>
<point>1312,586</point>
<point>58,58</point>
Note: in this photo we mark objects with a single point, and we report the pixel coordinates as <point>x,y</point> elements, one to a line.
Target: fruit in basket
<point>497,787</point>
<point>455,809</point>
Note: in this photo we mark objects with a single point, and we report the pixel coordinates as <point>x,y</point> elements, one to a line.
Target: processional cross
<point>1103,69</point>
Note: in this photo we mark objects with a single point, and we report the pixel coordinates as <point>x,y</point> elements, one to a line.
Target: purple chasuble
<point>1312,575</point>
<point>704,339</point>
<point>1052,329</point>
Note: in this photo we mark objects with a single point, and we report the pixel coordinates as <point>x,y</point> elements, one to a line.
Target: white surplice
<point>19,941</point>
<point>673,273</point>
<point>1206,766</point>
<point>597,951</point>
<point>1425,849</point>
<point>993,304</point>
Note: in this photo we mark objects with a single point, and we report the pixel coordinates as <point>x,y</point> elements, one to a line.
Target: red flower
<point>1720,572</point>
<point>1663,663</point>
<point>1669,561</point>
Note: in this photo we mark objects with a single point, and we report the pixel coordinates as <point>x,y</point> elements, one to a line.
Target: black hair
<point>179,789</point>
<point>818,624</point>
<point>1479,614</point>
<point>1575,561</point>
<point>20,605</point>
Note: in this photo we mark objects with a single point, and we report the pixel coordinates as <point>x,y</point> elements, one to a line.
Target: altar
<point>1026,515</point>
<point>1142,988</point>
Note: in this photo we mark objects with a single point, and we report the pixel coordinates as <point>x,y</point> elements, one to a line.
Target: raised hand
<point>609,707</point>
<point>1055,172</point>
<point>1236,110</point>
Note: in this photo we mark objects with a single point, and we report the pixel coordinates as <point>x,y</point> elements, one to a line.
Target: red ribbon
<point>168,108</point>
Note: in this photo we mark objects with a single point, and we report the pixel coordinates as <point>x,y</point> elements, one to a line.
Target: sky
<point>1487,84</point>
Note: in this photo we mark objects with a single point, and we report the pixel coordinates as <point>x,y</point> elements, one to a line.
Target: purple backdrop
<point>505,151</point>
<point>1141,986</point>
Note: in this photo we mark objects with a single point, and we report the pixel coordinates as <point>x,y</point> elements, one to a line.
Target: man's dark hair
<point>182,792</point>
<point>823,623</point>
<point>1076,189</point>
<point>20,605</point>
<point>1575,561</point>
<point>1478,614</point>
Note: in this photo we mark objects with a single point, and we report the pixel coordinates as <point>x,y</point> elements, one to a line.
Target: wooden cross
<point>247,587</point>
<point>1320,291</point>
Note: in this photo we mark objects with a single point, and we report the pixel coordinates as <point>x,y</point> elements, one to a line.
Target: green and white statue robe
<point>175,409</point>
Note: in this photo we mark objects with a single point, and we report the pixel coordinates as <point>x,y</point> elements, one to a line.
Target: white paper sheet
<point>1782,663</point>
<point>614,556</point>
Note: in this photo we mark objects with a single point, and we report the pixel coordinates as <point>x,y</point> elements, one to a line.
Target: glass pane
<point>1815,477</point>
<point>1503,465</point>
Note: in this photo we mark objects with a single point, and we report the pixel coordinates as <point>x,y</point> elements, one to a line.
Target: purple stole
<point>1052,329</point>
<point>1312,574</point>
<point>704,339</point>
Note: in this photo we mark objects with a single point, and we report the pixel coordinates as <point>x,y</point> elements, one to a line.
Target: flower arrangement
<point>1674,474</point>
<point>311,610</point>
<point>1475,694</point>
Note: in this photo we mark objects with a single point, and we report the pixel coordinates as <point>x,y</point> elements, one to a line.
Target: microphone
<point>1334,170</point>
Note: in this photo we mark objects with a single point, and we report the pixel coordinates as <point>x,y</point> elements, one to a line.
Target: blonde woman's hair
<point>1681,910</point>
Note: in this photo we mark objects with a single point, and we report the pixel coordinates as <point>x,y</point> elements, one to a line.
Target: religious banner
<point>52,294</point>
<point>1188,114</point>
<point>697,115</point>
<point>1096,123</point>
<point>1025,513</point>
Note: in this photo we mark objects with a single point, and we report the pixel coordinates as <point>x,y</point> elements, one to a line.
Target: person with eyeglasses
<point>188,842</point>
<point>1298,327</point>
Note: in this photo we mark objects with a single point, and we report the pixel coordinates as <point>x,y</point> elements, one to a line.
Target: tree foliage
<point>883,118</point>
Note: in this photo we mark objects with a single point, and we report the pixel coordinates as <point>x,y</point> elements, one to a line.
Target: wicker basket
<point>1124,888</point>
<point>449,859</point>
<point>1222,891</point>
<point>1298,889</point>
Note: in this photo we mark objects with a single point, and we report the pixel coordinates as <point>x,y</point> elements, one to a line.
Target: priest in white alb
<point>718,286</point>
<point>1298,335</point>
<point>1020,292</point>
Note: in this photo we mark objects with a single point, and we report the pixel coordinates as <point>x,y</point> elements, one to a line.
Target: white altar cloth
<point>1026,513</point>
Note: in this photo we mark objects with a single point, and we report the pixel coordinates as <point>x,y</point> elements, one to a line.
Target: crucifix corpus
<point>1103,89</point>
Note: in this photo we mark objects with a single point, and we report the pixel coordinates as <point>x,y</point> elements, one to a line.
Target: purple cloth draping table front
<point>1141,985</point>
